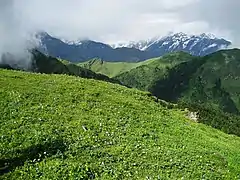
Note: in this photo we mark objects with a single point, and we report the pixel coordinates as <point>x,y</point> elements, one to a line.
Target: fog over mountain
<point>16,36</point>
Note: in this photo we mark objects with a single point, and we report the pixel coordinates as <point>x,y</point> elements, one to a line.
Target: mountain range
<point>87,49</point>
<point>197,45</point>
<point>80,51</point>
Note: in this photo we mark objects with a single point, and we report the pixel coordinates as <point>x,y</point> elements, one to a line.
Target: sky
<point>113,21</point>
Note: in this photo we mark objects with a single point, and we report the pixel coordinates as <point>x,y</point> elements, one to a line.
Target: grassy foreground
<point>62,127</point>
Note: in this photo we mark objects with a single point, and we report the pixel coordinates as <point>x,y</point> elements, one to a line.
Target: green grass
<point>63,127</point>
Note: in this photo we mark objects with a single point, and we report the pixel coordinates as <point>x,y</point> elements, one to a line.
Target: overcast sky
<point>118,20</point>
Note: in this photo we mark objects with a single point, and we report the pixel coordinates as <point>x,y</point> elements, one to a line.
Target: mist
<point>123,20</point>
<point>16,38</point>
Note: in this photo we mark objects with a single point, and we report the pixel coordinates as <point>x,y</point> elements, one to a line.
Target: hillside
<point>207,85</point>
<point>146,74</point>
<point>61,127</point>
<point>213,79</point>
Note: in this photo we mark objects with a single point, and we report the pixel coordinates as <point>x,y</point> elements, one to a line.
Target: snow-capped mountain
<point>199,45</point>
<point>78,51</point>
<point>84,50</point>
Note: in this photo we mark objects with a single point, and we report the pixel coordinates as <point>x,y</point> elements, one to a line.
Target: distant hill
<point>213,79</point>
<point>143,76</point>
<point>80,51</point>
<point>65,127</point>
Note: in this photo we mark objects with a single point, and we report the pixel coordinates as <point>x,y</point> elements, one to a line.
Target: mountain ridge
<point>145,44</point>
<point>87,49</point>
<point>80,51</point>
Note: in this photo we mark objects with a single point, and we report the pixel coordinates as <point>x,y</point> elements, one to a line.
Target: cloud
<point>16,37</point>
<point>220,15</point>
<point>117,20</point>
<point>105,20</point>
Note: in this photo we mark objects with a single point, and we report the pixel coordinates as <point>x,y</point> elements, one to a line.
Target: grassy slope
<point>144,76</point>
<point>56,127</point>
<point>111,69</point>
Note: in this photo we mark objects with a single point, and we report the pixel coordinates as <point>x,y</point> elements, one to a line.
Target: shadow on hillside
<point>32,154</point>
<point>171,87</point>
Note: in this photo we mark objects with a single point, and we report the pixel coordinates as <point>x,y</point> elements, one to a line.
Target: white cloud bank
<point>114,20</point>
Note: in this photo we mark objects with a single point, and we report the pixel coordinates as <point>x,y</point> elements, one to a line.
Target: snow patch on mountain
<point>141,45</point>
<point>69,42</point>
